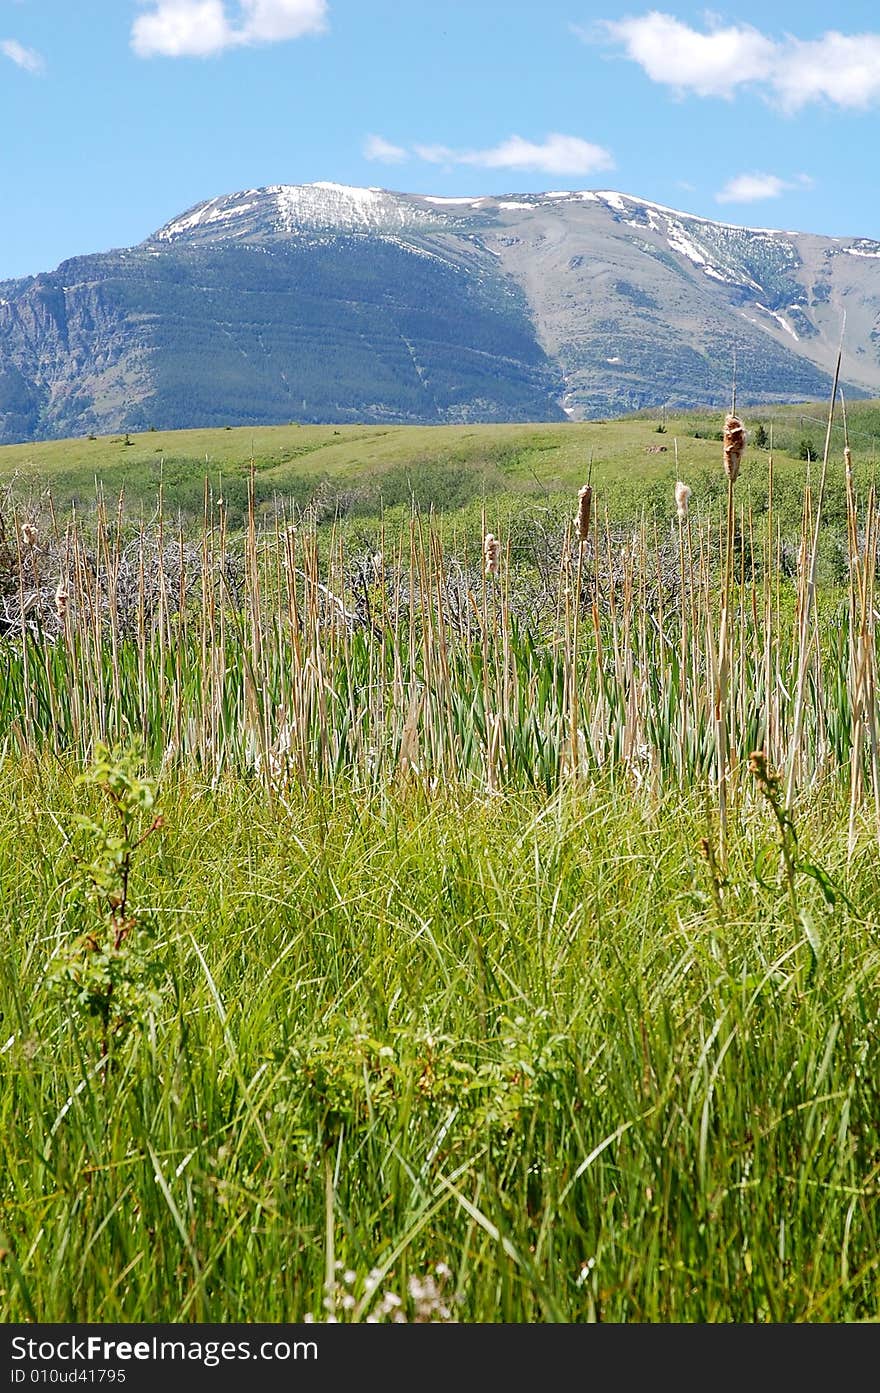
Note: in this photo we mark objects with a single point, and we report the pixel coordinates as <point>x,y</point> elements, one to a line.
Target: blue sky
<point>119,114</point>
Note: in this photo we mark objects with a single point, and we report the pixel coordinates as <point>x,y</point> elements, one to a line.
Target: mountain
<point>321,302</point>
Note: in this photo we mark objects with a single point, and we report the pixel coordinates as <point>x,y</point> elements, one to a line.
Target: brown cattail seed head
<point>61,598</point>
<point>682,499</point>
<point>491,554</point>
<point>734,444</point>
<point>29,534</point>
<point>768,781</point>
<point>585,505</point>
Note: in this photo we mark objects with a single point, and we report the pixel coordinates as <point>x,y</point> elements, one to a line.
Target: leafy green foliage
<point>110,972</point>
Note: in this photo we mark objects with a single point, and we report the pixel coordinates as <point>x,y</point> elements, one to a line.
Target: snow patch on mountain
<point>681,243</point>
<point>618,202</point>
<point>216,210</point>
<point>366,198</point>
<point>292,208</point>
<point>780,319</point>
<point>614,200</point>
<point>337,205</point>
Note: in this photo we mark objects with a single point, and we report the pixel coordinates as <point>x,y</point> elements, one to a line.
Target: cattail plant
<point>682,501</point>
<point>808,596</point>
<point>861,675</point>
<point>491,554</point>
<point>62,598</point>
<point>734,444</point>
<point>582,520</point>
<point>582,516</point>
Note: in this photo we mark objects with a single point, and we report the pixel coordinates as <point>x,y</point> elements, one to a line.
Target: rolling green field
<point>397,929</point>
<point>354,472</point>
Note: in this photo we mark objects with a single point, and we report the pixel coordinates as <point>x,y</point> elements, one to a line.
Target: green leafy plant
<point>769,784</point>
<point>109,972</point>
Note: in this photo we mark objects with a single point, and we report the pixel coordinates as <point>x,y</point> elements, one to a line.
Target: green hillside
<point>356,471</point>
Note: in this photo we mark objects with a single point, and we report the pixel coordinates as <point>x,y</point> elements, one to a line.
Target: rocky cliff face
<point>325,303</point>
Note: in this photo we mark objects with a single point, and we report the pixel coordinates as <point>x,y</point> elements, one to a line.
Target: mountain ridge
<point>330,302</point>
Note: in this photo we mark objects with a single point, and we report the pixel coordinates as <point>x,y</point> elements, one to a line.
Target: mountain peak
<point>287,209</point>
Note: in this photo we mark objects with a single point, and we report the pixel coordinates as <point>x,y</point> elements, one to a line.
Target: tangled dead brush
<point>47,576</point>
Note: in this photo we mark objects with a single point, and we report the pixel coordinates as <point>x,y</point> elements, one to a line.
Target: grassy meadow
<point>433,892</point>
<point>356,473</point>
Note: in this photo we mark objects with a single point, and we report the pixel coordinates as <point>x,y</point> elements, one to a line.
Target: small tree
<point>762,439</point>
<point>807,450</point>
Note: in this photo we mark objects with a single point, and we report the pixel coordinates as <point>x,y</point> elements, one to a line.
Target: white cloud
<point>178,28</point>
<point>843,69</point>
<point>556,154</point>
<point>751,188</point>
<point>269,20</point>
<point>376,147</point>
<point>196,28</point>
<point>26,58</point>
<point>712,64</point>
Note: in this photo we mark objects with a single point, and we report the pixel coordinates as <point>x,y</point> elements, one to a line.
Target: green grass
<point>478,460</point>
<point>357,470</point>
<point>505,1035</point>
<point>457,972</point>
